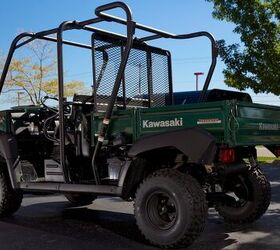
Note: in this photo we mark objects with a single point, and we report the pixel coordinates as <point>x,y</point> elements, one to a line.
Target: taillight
<point>227,155</point>
<point>277,152</point>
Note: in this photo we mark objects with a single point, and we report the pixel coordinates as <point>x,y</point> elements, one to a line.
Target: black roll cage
<point>85,25</point>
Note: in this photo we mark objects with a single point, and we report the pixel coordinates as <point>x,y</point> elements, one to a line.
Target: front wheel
<point>250,197</point>
<point>10,199</point>
<point>170,209</point>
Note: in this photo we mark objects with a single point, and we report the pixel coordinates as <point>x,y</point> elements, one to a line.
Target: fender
<point>196,143</point>
<point>8,150</point>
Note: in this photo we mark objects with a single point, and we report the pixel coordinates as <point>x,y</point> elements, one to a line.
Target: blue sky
<point>177,16</point>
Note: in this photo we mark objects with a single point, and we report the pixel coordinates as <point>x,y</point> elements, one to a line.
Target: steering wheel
<point>44,99</point>
<point>67,108</point>
<point>50,120</point>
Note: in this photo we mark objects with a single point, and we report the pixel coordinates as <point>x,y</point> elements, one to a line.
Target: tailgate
<point>257,124</point>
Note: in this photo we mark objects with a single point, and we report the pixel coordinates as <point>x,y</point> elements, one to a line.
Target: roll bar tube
<point>129,43</point>
<point>10,56</point>
<point>99,10</point>
<point>214,55</point>
<point>101,16</point>
<point>63,26</point>
<point>159,34</point>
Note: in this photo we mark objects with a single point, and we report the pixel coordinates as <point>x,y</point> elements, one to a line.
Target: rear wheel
<point>250,197</point>
<point>80,199</point>
<point>10,199</point>
<point>170,209</point>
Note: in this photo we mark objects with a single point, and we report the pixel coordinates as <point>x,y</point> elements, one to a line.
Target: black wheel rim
<point>242,192</point>
<point>162,210</point>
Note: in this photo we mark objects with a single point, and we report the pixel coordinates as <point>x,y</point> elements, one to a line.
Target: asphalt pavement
<point>47,222</point>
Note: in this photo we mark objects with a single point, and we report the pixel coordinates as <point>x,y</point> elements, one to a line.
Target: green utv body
<point>233,123</point>
<point>174,154</point>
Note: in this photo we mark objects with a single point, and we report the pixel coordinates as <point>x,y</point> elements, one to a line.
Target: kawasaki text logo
<point>176,122</point>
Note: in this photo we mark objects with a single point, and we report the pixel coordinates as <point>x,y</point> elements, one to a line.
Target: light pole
<point>196,80</point>
<point>18,96</point>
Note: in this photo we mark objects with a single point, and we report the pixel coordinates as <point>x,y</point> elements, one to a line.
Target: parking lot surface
<point>47,222</point>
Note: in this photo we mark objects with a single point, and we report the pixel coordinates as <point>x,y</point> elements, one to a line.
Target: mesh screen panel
<point>160,79</point>
<point>107,60</point>
<point>136,80</point>
<point>146,78</point>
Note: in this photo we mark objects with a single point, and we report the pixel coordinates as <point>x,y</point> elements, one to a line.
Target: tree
<point>255,64</point>
<point>36,75</point>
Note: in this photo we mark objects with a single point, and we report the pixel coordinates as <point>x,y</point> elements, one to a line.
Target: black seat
<point>82,106</point>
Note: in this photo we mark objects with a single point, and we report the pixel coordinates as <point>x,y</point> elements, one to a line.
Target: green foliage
<point>263,159</point>
<point>256,63</point>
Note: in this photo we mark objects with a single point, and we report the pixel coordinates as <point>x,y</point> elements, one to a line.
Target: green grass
<point>267,159</point>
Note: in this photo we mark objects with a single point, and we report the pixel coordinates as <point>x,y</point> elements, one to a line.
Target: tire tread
<point>262,203</point>
<point>199,214</point>
<point>11,199</point>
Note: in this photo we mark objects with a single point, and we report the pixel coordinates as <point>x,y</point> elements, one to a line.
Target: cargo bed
<point>233,123</point>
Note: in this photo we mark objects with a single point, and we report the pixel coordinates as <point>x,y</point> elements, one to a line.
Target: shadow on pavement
<point>82,223</point>
<point>90,225</point>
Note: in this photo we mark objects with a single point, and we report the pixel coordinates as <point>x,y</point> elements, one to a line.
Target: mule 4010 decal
<point>209,121</point>
<point>269,126</point>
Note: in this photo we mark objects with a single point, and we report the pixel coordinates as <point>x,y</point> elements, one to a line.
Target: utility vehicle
<point>173,154</point>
